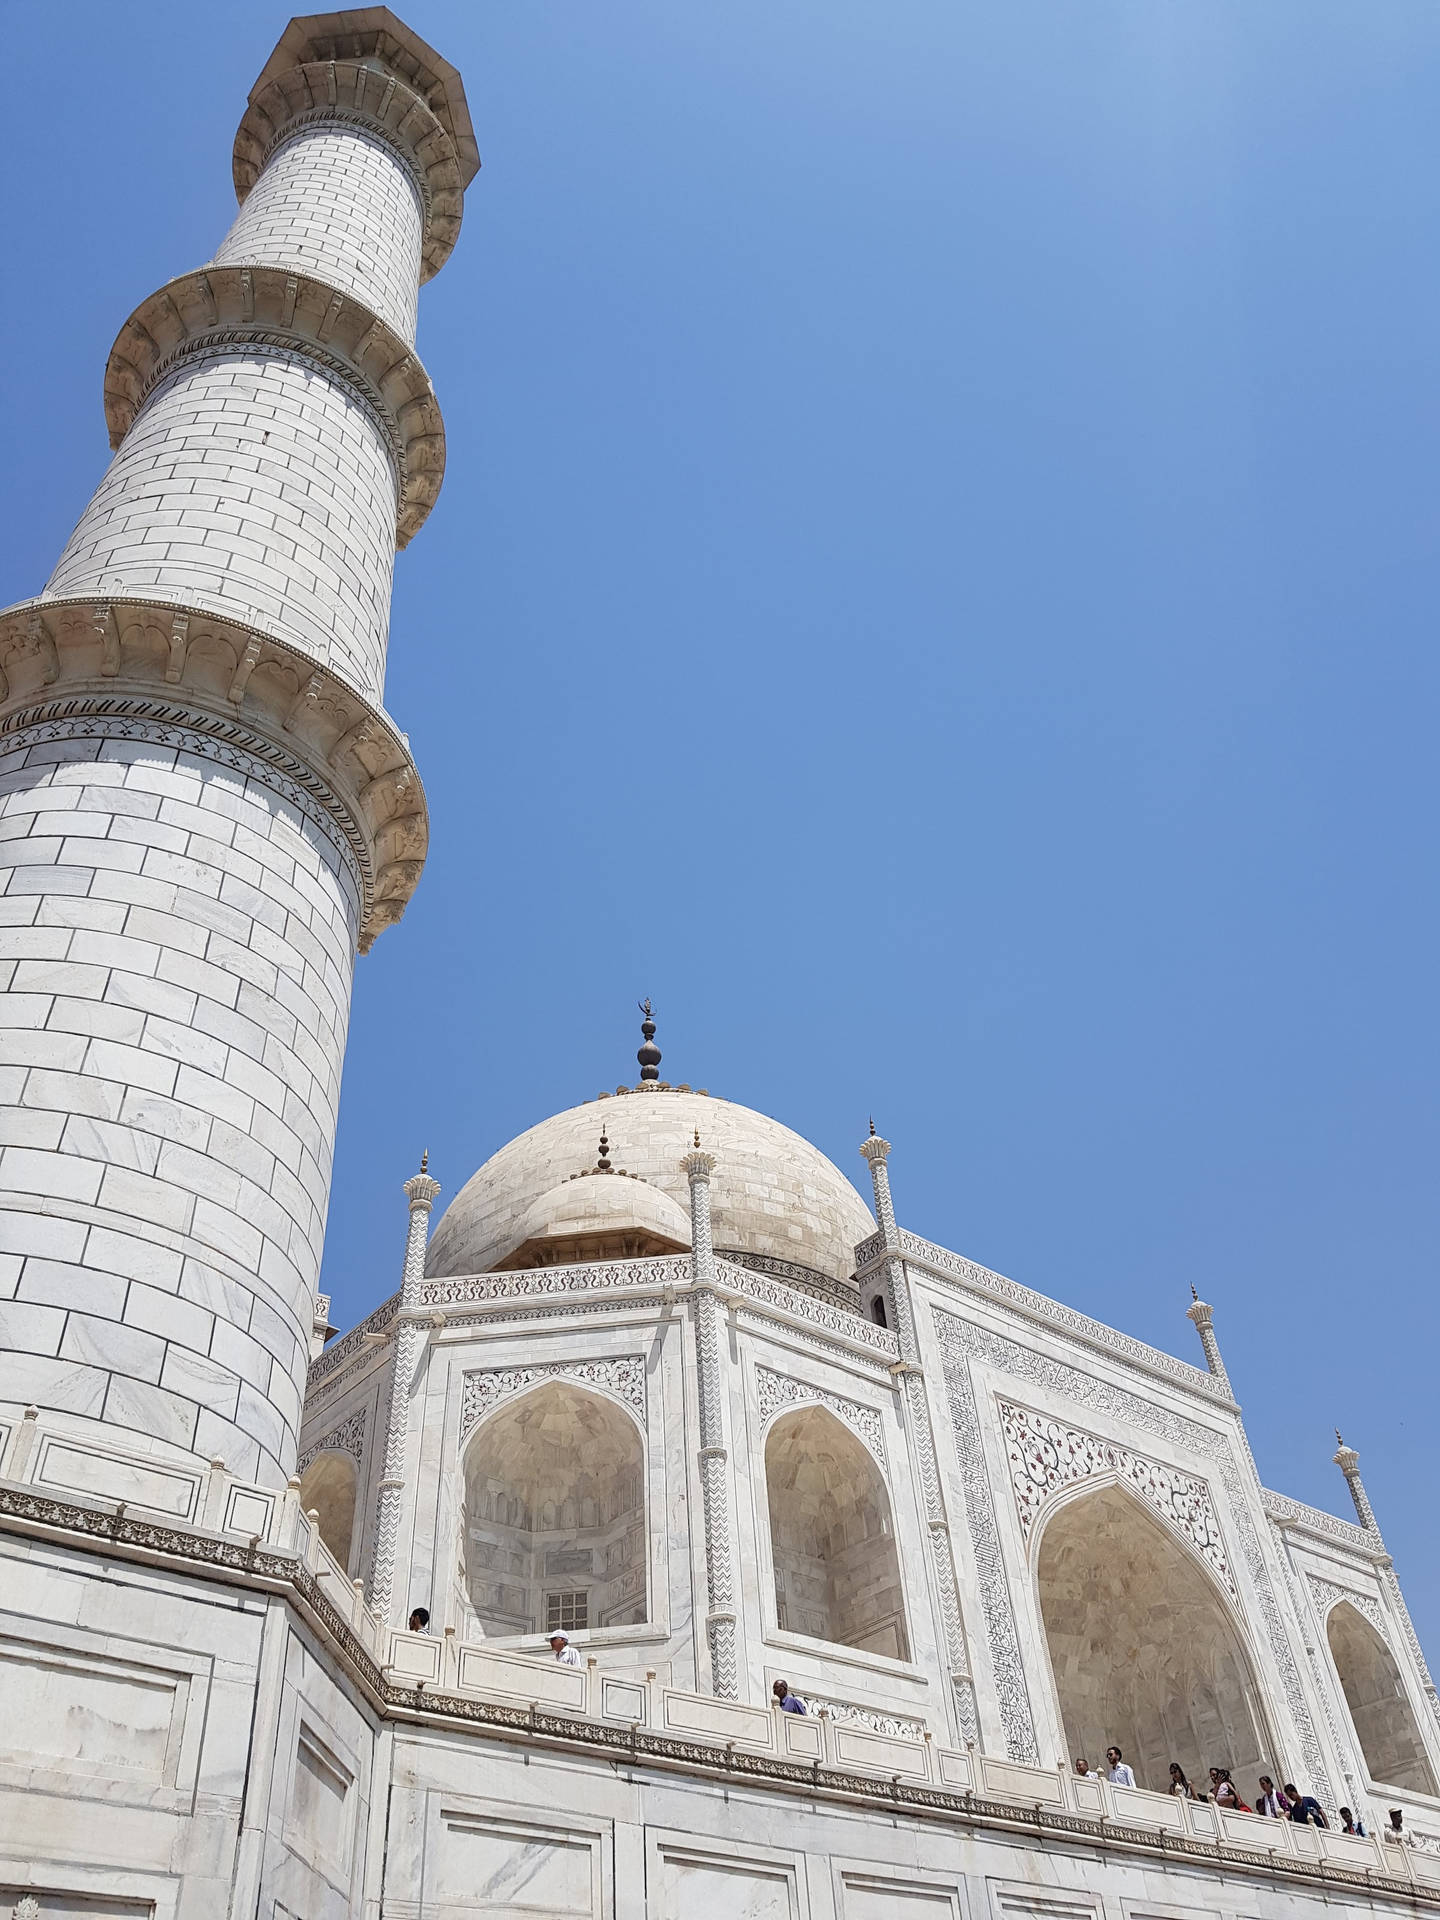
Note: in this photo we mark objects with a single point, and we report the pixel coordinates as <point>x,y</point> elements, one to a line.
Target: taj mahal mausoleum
<point>659,1384</point>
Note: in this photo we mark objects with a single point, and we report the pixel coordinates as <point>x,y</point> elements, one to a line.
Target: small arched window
<point>877,1310</point>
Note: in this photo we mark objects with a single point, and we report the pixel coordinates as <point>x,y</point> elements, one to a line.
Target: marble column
<point>1203,1316</point>
<point>920,1437</point>
<point>714,1457</point>
<point>406,1345</point>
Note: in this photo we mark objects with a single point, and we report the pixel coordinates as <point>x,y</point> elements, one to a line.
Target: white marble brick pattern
<point>255,484</point>
<point>176,950</point>
<point>340,205</point>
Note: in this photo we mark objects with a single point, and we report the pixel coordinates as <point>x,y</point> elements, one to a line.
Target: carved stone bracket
<point>419,117</point>
<point>778,1391</point>
<point>348,1436</point>
<point>1046,1455</point>
<point>276,309</point>
<point>623,1378</point>
<point>191,679</point>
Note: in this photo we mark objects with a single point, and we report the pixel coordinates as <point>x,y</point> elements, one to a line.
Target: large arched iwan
<point>554,1517</point>
<point>1146,1652</point>
<point>832,1539</point>
<point>1375,1694</point>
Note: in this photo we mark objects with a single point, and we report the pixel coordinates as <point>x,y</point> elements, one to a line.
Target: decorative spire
<point>649,1054</point>
<point>425,1161</point>
<point>697,1139</point>
<point>872,1126</point>
<point>1193,1294</point>
<point>602,1165</point>
<point>1338,1441</point>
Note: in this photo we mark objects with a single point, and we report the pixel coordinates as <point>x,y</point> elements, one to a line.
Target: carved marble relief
<point>623,1378</point>
<point>1045,1454</point>
<point>1327,1593</point>
<point>777,1390</point>
<point>348,1436</point>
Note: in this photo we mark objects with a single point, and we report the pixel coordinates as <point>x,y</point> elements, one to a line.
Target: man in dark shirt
<point>1305,1809</point>
<point>787,1701</point>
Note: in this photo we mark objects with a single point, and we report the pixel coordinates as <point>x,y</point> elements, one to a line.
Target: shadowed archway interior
<point>1144,1650</point>
<point>1375,1694</point>
<point>328,1488</point>
<point>554,1522</point>
<point>837,1574</point>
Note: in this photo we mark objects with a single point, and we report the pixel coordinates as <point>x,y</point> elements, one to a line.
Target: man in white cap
<point>564,1653</point>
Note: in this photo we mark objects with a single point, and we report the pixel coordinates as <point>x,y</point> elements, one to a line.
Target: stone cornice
<point>150,668</point>
<point>210,1556</point>
<point>954,1270</point>
<point>363,94</point>
<point>279,309</point>
<point>1294,1516</point>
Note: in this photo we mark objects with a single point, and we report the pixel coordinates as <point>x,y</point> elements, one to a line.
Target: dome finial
<point>1193,1294</point>
<point>872,1126</point>
<point>425,1161</point>
<point>602,1165</point>
<point>649,1054</point>
<point>1338,1441</point>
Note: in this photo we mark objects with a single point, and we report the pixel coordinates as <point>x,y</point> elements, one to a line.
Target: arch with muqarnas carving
<point>1385,1726</point>
<point>1146,1649</point>
<point>553,1513</point>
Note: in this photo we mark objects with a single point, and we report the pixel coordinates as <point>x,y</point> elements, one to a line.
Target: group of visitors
<point>1283,1803</point>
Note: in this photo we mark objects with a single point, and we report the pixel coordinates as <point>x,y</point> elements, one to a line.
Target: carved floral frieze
<point>1046,1454</point>
<point>347,1436</point>
<point>777,1391</point>
<point>622,1377</point>
<point>1326,1595</point>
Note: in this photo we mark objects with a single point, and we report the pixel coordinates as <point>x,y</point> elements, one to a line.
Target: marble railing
<point>637,1699</point>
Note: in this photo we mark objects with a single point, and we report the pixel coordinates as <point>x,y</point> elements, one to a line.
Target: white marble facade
<point>659,1375</point>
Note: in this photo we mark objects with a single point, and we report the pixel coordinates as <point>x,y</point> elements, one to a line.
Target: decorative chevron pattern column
<point>404,1354</point>
<point>921,1436</point>
<point>204,809</point>
<point>714,1456</point>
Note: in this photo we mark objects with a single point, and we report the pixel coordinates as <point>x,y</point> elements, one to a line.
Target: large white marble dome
<point>772,1194</point>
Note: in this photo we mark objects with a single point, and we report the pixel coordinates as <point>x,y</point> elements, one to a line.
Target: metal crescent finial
<point>649,1054</point>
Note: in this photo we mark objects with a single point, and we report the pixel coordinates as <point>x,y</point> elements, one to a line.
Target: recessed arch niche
<point>328,1487</point>
<point>1146,1652</point>
<point>832,1540</point>
<point>554,1518</point>
<point>1384,1721</point>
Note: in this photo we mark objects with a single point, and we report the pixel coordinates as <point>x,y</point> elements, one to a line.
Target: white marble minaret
<point>204,809</point>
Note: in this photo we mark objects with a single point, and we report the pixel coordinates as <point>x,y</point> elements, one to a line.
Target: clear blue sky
<point>935,583</point>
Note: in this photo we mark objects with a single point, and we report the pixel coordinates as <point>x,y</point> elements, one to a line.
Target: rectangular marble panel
<point>508,1676</point>
<point>86,1713</point>
<point>1013,1901</point>
<point>873,1896</point>
<point>1008,1781</point>
<point>881,1753</point>
<point>690,1882</point>
<point>622,1700</point>
<point>1139,1808</point>
<point>718,1719</point>
<point>248,1511</point>
<point>507,1868</point>
<point>114,1476</point>
<point>804,1737</point>
<point>953,1768</point>
<point>319,1820</point>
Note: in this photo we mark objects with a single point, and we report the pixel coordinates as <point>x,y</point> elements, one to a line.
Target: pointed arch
<point>832,1538</point>
<point>554,1517</point>
<point>329,1486</point>
<point>1146,1650</point>
<point>1380,1709</point>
